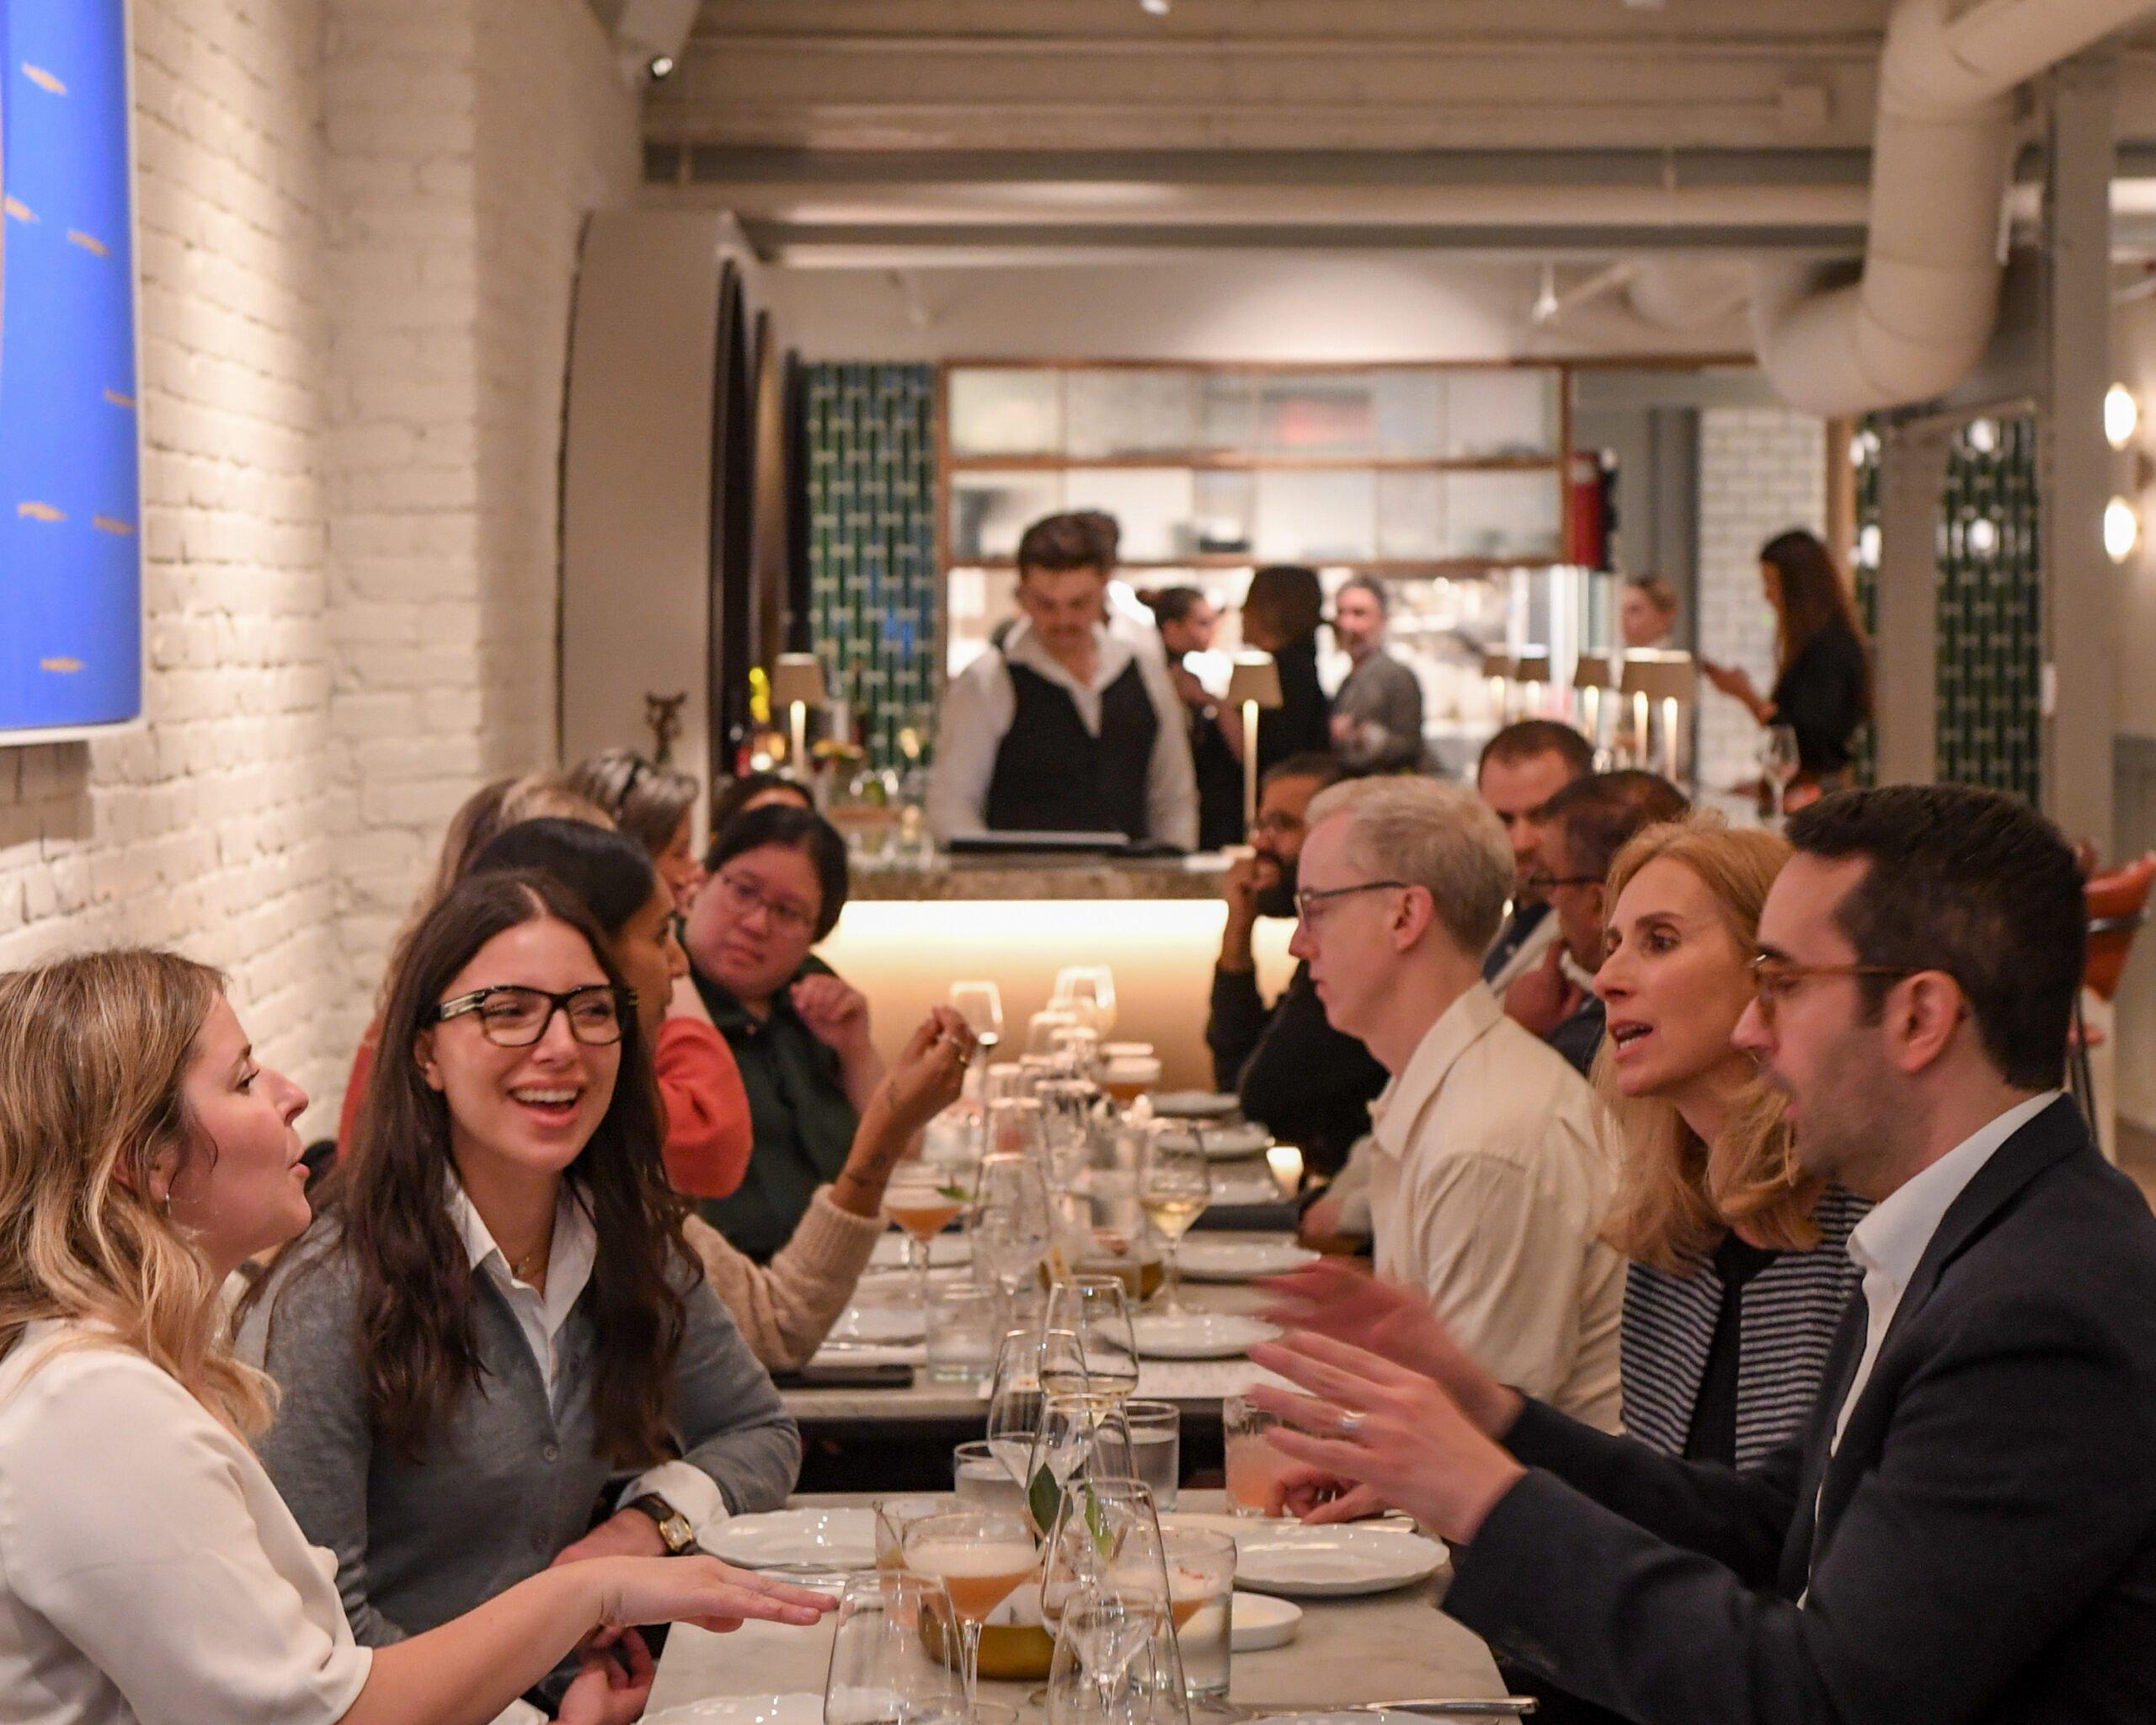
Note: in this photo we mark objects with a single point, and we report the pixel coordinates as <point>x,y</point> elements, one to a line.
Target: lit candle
<point>1669,738</point>
<point>1591,701</point>
<point>1640,711</point>
<point>1286,1162</point>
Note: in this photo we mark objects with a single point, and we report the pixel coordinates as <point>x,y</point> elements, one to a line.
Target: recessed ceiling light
<point>1154,8</point>
<point>662,68</point>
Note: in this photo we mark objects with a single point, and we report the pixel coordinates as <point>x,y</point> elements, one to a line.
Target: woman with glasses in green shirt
<point>776,883</point>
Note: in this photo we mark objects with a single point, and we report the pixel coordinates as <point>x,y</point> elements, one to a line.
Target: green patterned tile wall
<point>1989,602</point>
<point>1991,609</point>
<point>872,544</point>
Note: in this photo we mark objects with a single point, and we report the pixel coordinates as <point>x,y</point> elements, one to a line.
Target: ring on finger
<point>1351,1424</point>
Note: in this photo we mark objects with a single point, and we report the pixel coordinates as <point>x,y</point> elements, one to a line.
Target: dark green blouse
<point>797,1106</point>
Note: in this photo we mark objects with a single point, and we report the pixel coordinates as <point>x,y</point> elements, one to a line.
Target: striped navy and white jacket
<point>1786,1316</point>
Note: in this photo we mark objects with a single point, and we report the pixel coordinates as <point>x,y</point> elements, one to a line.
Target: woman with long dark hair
<point>152,1571</point>
<point>495,1315</point>
<point>1822,669</point>
<point>784,1308</point>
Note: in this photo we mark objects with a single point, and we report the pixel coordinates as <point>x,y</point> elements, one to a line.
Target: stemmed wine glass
<point>1778,764</point>
<point>1088,992</point>
<point>922,1199</point>
<point>1011,1226</point>
<point>1096,1311</point>
<point>980,1004</point>
<point>883,1669</point>
<point>981,1557</point>
<point>1015,1398</point>
<point>1175,1186</point>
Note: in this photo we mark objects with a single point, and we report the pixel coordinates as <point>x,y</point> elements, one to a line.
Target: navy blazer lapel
<point>1842,1360</point>
<point>2054,1134</point>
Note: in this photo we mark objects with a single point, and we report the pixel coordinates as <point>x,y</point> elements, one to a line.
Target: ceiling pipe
<point>1918,319</point>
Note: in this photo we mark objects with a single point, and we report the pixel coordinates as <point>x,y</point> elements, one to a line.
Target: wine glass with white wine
<point>1175,1186</point>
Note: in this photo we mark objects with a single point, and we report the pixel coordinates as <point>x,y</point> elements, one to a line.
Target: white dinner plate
<point>1198,1335</point>
<point>1261,1621</point>
<point>1194,1104</point>
<point>792,1539</point>
<point>1223,1257</point>
<point>1227,1142</point>
<point>1333,1562</point>
<point>945,1250</point>
<point>879,1324</point>
<point>1245,1185</point>
<point>802,1709</point>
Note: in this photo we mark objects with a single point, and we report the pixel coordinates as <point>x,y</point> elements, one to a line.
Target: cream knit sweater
<point>784,1309</point>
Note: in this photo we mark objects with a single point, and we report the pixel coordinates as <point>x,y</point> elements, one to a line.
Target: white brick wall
<point>348,490</point>
<point>1761,470</point>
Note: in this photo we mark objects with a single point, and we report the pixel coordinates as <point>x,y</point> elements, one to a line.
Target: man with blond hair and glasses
<point>1487,1178</point>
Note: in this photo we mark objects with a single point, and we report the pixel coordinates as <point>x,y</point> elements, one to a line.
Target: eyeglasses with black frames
<point>513,1017</point>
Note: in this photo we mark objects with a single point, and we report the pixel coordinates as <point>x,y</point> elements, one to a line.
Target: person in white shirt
<point>149,1572</point>
<point>1488,1177</point>
<point>1065,727</point>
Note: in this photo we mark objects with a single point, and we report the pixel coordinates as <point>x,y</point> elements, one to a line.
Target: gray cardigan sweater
<point>510,1478</point>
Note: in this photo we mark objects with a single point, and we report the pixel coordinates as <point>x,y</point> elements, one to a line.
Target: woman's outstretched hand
<point>699,1590</point>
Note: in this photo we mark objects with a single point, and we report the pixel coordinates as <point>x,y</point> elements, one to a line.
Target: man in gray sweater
<point>1377,713</point>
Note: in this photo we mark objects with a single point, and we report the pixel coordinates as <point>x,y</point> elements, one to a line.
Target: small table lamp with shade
<point>1595,680</point>
<point>1661,688</point>
<point>1253,683</point>
<point>798,685</point>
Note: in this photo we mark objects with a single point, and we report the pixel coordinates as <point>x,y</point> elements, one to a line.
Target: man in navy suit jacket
<point>1965,1529</point>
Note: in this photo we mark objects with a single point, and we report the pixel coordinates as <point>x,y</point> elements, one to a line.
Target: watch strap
<point>673,1526</point>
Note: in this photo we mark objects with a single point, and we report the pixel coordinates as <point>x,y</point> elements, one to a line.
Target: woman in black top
<point>1282,611</point>
<point>1187,621</point>
<point>1823,682</point>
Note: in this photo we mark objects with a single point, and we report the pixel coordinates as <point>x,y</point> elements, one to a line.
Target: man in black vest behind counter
<point>1064,728</point>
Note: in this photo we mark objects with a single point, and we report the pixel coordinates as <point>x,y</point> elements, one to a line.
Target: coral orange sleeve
<point>708,1134</point>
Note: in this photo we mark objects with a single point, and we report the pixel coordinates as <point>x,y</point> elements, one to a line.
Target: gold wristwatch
<point>672,1525</point>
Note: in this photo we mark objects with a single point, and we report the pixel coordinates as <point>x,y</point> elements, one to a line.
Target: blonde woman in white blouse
<point>148,1570</point>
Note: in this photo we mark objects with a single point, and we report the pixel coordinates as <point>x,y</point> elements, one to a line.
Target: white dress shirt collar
<point>540,1316</point>
<point>1891,1239</point>
<point>1111,652</point>
<point>1395,1113</point>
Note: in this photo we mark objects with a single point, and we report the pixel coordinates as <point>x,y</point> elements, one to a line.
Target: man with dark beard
<point>1302,1080</point>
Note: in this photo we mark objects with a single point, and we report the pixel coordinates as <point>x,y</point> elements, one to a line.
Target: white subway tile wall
<point>358,236</point>
<point>1761,470</point>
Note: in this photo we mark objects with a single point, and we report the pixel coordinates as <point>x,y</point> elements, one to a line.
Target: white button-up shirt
<point>979,705</point>
<point>1489,1186</point>
<point>1887,1245</point>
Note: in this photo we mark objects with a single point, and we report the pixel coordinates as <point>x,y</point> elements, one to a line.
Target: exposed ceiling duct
<point>1918,319</point>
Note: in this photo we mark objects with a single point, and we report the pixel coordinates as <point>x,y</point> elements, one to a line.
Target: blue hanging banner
<point>70,515</point>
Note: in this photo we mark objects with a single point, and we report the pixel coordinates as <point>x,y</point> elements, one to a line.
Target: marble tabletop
<point>1024,876</point>
<point>926,1402</point>
<point>1385,1647</point>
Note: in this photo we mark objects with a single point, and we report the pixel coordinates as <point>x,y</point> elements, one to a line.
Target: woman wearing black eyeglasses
<point>776,881</point>
<point>495,1316</point>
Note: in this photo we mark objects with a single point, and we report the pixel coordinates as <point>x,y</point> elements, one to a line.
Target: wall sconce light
<point>2122,416</point>
<point>2122,529</point>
